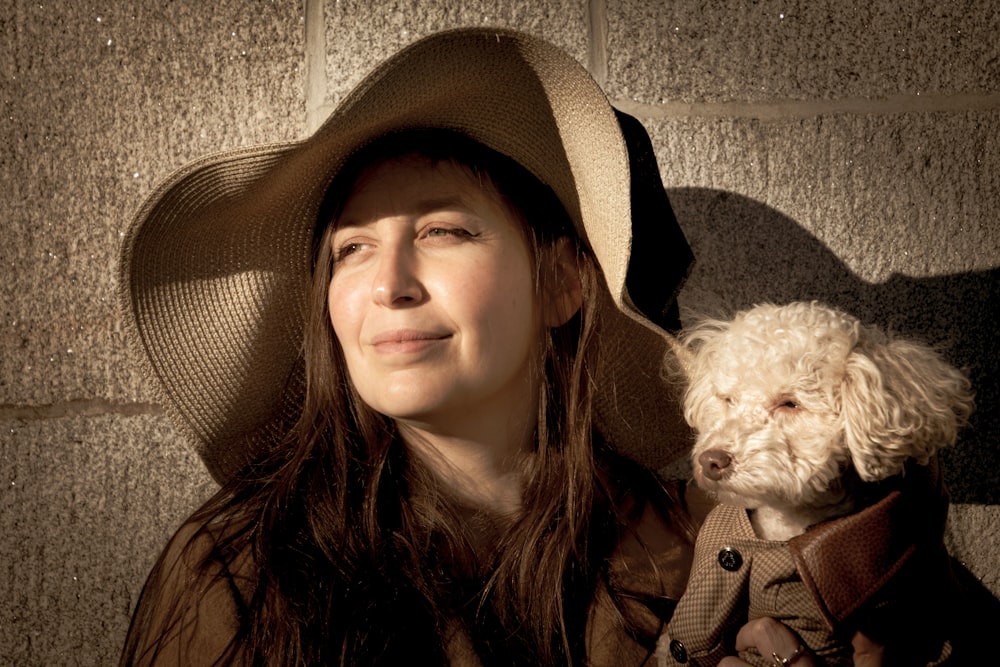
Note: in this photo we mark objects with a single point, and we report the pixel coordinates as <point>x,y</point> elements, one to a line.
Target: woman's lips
<point>407,340</point>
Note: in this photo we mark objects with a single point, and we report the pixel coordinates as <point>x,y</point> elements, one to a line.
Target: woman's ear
<point>565,295</point>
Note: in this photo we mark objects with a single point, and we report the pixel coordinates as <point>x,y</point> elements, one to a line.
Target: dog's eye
<point>789,404</point>
<point>728,400</point>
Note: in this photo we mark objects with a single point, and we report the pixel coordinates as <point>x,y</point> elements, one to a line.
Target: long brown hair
<point>358,555</point>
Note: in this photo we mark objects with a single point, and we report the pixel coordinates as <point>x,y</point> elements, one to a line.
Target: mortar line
<point>88,407</point>
<point>797,109</point>
<point>597,41</point>
<point>315,63</point>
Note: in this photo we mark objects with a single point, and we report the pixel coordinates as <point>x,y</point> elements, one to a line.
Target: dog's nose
<point>714,463</point>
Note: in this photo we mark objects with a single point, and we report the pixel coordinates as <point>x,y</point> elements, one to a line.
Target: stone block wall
<point>841,151</point>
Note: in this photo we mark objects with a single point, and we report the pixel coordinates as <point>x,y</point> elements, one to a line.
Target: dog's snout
<point>714,463</point>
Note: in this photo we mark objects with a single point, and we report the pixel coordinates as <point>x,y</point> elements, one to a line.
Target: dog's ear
<point>698,350</point>
<point>678,363</point>
<point>900,400</point>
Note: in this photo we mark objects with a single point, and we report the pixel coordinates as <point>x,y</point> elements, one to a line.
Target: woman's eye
<point>457,232</point>
<point>347,250</point>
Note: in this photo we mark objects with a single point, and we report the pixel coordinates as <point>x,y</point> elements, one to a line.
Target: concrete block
<point>972,537</point>
<point>696,51</point>
<point>359,34</point>
<point>51,356</point>
<point>86,504</point>
<point>99,105</point>
<point>891,217</point>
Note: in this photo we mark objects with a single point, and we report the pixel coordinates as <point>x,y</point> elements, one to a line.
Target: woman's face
<point>432,298</point>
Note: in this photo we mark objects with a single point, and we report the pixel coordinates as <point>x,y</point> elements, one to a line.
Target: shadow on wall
<point>749,253</point>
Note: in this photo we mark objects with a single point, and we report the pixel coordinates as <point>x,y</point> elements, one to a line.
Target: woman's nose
<point>396,283</point>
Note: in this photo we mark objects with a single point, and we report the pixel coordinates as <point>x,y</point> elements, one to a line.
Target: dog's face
<point>785,399</point>
<point>764,396</point>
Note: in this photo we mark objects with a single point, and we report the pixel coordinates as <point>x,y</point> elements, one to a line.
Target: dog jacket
<point>882,570</point>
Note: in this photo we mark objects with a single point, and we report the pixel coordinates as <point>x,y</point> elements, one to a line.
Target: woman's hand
<point>770,637</point>
<point>773,638</point>
<point>866,652</point>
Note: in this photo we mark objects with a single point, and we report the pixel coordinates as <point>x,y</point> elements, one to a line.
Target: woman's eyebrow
<point>419,208</point>
<point>455,201</point>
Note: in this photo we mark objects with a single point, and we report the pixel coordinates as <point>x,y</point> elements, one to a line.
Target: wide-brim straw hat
<point>216,265</point>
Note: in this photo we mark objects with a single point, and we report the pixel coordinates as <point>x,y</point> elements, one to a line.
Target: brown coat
<point>882,570</point>
<point>738,577</point>
<point>647,574</point>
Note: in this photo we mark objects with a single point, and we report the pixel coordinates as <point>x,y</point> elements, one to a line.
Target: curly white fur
<point>788,400</point>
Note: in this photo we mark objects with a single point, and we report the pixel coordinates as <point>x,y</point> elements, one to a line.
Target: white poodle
<point>787,400</point>
<point>801,413</point>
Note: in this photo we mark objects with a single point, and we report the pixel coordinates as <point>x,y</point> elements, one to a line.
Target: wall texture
<point>812,149</point>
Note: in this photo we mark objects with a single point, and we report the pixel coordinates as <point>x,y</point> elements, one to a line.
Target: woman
<point>444,469</point>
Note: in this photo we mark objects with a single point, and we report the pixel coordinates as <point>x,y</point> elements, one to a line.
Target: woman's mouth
<point>402,341</point>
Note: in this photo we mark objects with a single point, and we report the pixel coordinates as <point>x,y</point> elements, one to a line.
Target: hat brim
<point>215,267</point>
